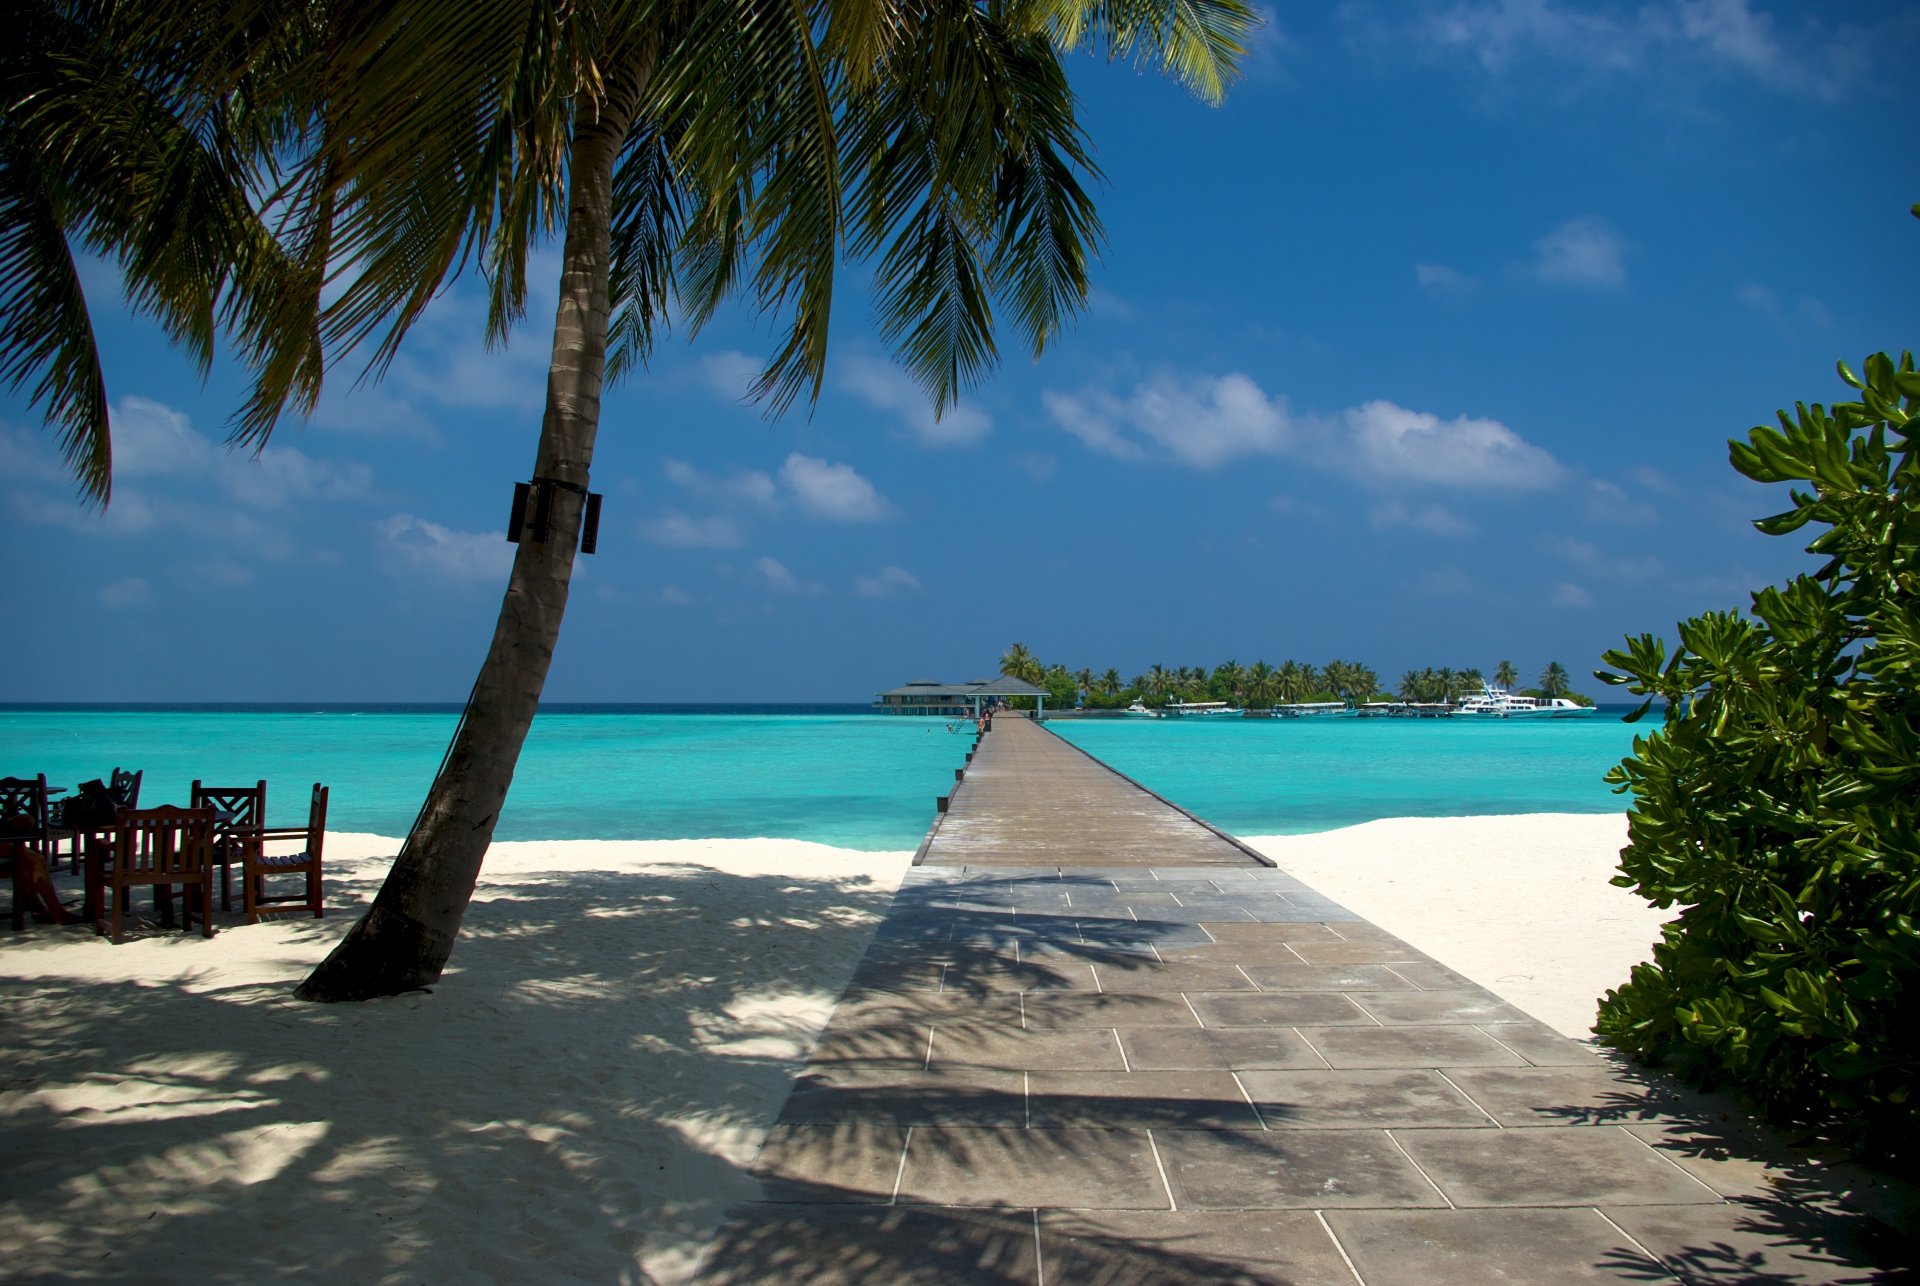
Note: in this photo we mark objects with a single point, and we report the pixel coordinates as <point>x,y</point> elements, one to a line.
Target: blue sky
<point>1422,350</point>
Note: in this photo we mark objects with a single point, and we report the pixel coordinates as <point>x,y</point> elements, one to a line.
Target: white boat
<point>1497,703</point>
<point>1315,710</point>
<point>1203,710</point>
<point>1138,711</point>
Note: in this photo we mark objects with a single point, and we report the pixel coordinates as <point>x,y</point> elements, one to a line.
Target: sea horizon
<point>832,773</point>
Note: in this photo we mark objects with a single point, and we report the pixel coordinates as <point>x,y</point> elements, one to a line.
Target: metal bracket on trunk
<point>533,509</point>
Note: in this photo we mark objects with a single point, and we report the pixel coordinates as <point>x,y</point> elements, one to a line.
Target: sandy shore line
<point>579,1097</point>
<point>1521,904</point>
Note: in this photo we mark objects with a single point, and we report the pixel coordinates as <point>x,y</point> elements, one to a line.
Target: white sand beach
<point>577,1099</point>
<point>1522,904</point>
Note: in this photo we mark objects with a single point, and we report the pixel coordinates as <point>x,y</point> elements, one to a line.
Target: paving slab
<point>1317,1100</point>
<point>1061,1169</point>
<point>1589,1165</point>
<point>1290,1170</point>
<point>1222,1048</point>
<point>1241,1248</point>
<point>1102,1045</point>
<point>1474,1247</point>
<point>849,1246</point>
<point>1772,1241</point>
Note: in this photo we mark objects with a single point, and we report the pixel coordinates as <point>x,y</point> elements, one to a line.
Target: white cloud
<point>1805,312</point>
<point>1203,423</point>
<point>1438,279</point>
<point>684,531</point>
<point>889,580</point>
<point>1206,422</point>
<point>1091,418</point>
<point>1395,444</point>
<point>1568,595</point>
<point>776,574</point>
<point>832,491</point>
<point>420,546</point>
<point>1429,518</point>
<point>750,485</point>
<point>151,439</point>
<point>1671,38</point>
<point>1041,466</point>
<point>1581,252</point>
<point>371,411</point>
<point>886,387</point>
<point>673,596</point>
<point>729,373</point>
<point>123,594</point>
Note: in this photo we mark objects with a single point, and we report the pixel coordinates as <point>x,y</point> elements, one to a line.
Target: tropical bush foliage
<point>1778,804</point>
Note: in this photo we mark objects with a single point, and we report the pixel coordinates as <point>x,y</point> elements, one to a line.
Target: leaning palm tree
<point>683,156</point>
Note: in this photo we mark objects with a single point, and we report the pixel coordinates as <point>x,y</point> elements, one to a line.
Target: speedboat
<point>1497,703</point>
<point>1139,711</point>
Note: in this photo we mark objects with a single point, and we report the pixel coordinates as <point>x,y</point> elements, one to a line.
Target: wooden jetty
<point>1029,798</point>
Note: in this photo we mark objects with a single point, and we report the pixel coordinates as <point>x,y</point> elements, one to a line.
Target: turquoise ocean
<point>833,775</point>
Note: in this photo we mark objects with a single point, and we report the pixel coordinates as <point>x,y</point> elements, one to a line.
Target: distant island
<point>1261,686</point>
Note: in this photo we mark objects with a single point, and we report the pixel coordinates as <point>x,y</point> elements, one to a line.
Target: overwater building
<point>954,700</point>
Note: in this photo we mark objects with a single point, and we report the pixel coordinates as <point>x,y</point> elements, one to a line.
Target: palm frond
<point>46,334</point>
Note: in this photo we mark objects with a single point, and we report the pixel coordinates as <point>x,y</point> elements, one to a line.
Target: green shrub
<point>1778,804</point>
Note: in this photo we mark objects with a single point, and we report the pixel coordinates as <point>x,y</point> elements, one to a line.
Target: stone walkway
<point>1209,1073</point>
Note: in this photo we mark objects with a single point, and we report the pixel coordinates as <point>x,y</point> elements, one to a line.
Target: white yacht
<point>1497,703</point>
<point>1139,711</point>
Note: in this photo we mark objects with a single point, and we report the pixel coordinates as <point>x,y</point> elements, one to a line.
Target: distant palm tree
<point>1083,679</point>
<point>1229,679</point>
<point>1410,686</point>
<point>1158,684</point>
<point>1365,683</point>
<point>1505,676</point>
<point>1553,680</point>
<point>1018,663</point>
<point>1290,682</point>
<point>1110,683</point>
<point>1262,685</point>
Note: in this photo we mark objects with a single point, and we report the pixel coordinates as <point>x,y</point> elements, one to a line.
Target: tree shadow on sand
<point>582,1091</point>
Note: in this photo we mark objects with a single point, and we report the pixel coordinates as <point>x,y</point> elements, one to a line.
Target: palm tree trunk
<point>404,940</point>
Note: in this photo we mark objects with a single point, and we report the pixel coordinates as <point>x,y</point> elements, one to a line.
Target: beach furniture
<point>160,847</point>
<point>69,824</point>
<point>239,812</point>
<point>24,847</point>
<point>259,866</point>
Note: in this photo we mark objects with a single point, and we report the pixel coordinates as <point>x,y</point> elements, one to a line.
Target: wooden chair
<point>160,847</point>
<point>260,865</point>
<point>123,789</point>
<point>238,814</point>
<point>23,839</point>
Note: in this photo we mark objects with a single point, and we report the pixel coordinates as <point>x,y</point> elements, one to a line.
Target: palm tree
<point>1110,684</point>
<point>1553,680</point>
<point>1158,684</point>
<point>1016,662</point>
<point>684,154</point>
<point>1229,680</point>
<point>1263,683</point>
<point>1289,682</point>
<point>1505,676</point>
